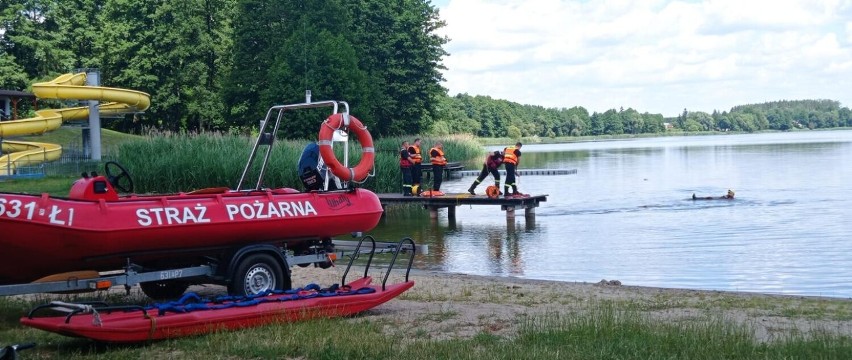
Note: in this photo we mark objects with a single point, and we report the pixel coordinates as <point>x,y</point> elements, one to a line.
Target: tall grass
<point>184,162</point>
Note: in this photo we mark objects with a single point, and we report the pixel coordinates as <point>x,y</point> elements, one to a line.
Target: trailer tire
<point>257,273</point>
<point>164,290</point>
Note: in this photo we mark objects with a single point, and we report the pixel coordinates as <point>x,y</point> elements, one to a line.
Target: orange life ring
<point>368,152</point>
<point>492,191</point>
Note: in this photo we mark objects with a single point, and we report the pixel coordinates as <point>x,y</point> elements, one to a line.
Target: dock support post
<point>451,213</point>
<point>510,212</point>
<point>433,212</point>
<point>529,214</point>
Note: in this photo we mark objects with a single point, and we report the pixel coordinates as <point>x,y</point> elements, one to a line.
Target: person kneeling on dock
<point>491,165</point>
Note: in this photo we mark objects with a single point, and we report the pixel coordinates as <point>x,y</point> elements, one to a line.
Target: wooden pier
<point>524,172</point>
<point>451,201</point>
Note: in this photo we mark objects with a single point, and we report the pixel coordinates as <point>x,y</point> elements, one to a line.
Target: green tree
<point>172,50</point>
<point>12,75</point>
<point>33,38</point>
<point>631,121</point>
<point>612,123</point>
<point>258,29</point>
<point>79,24</point>
<point>401,53</point>
<point>700,121</point>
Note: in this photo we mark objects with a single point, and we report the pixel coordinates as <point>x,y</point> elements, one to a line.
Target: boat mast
<point>266,138</point>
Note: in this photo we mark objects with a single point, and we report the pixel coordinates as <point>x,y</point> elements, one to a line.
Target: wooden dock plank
<point>460,199</point>
<point>451,201</point>
<point>525,172</point>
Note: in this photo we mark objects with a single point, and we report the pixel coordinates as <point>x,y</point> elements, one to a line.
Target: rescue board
<point>130,324</point>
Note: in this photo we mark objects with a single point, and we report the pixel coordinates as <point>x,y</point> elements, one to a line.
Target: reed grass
<point>174,162</point>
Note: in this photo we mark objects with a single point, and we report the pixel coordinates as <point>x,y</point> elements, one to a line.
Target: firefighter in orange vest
<point>436,155</point>
<point>417,159</point>
<point>511,158</point>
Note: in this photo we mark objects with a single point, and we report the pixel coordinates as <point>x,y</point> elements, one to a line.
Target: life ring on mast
<point>368,152</point>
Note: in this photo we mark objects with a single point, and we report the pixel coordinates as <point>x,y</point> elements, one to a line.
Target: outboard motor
<point>308,163</point>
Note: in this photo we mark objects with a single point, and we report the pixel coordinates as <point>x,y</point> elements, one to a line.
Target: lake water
<point>627,215</point>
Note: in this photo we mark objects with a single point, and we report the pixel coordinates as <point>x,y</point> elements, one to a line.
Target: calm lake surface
<point>627,215</point>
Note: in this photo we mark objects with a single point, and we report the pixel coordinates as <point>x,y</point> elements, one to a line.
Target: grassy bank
<point>452,317</point>
<point>603,333</point>
<point>54,185</point>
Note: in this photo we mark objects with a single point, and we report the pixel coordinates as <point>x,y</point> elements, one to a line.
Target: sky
<point>656,56</point>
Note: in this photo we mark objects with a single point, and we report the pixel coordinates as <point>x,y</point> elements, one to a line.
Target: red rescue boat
<point>45,235</point>
<point>95,229</point>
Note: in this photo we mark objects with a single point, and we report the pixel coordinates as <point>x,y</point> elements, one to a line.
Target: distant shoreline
<point>587,138</point>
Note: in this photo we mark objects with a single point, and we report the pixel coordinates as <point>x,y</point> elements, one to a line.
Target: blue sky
<point>656,56</point>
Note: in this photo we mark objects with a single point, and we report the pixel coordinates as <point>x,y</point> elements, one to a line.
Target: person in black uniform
<point>491,166</point>
<point>405,165</point>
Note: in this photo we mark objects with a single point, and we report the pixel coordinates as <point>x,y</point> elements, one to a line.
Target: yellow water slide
<point>65,87</point>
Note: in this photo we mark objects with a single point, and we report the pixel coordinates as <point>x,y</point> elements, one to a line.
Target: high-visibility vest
<point>437,160</point>
<point>509,156</point>
<point>415,156</point>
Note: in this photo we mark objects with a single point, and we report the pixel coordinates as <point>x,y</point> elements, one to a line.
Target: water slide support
<point>93,79</point>
<point>68,86</point>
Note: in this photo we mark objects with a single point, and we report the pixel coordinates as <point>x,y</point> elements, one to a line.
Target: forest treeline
<point>220,64</point>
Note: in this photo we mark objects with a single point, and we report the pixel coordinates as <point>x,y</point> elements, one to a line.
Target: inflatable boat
<point>94,229</point>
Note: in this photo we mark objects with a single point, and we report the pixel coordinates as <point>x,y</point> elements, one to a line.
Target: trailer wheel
<point>258,273</point>
<point>164,290</point>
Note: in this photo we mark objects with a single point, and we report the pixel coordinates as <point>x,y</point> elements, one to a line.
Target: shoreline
<point>451,305</point>
<point>445,306</point>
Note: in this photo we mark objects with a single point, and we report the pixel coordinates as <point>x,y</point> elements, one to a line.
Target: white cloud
<point>658,56</point>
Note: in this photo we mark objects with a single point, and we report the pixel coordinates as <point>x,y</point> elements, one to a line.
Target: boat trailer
<point>130,276</point>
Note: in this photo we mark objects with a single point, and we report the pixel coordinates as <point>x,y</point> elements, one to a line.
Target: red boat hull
<point>129,327</point>
<point>43,235</point>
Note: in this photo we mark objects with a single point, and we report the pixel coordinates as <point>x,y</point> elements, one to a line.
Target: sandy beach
<point>458,306</point>
<point>443,305</point>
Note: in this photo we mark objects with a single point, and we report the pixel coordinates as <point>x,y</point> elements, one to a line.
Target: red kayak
<point>126,325</point>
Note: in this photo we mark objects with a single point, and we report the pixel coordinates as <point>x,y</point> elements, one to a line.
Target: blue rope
<point>191,301</point>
